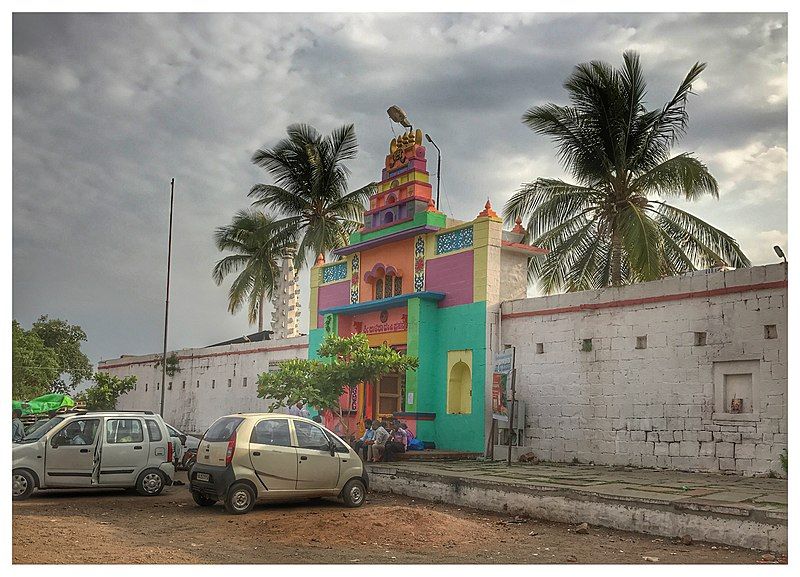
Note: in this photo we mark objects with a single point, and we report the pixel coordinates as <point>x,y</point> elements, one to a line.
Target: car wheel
<point>22,484</point>
<point>354,493</point>
<point>240,499</point>
<point>151,482</point>
<point>202,500</point>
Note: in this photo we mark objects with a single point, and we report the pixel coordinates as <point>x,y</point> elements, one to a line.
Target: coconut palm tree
<point>613,225</point>
<point>310,190</point>
<point>257,243</point>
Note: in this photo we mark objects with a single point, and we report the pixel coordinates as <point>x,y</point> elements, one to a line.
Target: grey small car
<point>92,450</point>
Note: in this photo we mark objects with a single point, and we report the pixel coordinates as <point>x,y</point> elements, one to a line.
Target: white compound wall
<point>212,382</point>
<point>703,339</point>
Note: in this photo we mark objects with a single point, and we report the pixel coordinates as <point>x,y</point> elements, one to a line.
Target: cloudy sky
<point>108,108</point>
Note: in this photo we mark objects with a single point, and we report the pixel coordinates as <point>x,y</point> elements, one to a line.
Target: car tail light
<point>231,449</point>
<point>169,451</point>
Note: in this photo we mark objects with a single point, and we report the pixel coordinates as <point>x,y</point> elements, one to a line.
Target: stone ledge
<point>742,525</point>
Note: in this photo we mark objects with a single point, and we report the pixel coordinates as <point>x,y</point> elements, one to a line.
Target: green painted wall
<point>315,338</point>
<point>442,330</point>
<point>422,343</point>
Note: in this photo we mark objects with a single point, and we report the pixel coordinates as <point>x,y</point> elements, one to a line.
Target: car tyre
<point>22,484</point>
<point>151,482</point>
<point>240,499</point>
<point>354,493</point>
<point>202,500</point>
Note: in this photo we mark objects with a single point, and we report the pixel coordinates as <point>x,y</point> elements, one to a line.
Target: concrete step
<point>437,455</point>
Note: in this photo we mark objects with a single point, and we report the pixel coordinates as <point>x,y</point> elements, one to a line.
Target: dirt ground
<point>120,527</point>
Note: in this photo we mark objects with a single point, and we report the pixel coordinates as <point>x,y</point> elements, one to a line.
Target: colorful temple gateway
<point>428,286</point>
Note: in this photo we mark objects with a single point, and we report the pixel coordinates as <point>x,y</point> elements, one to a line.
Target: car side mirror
<point>54,442</point>
<point>183,439</point>
<point>332,448</point>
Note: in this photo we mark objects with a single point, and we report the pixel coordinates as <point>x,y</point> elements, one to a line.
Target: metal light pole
<point>166,309</point>
<point>438,168</point>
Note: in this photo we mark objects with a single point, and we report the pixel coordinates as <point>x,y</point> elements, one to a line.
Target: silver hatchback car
<point>102,449</point>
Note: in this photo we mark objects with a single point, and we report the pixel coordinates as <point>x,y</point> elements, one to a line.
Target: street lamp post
<point>438,168</point>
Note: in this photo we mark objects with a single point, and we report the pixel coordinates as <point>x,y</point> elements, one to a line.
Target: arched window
<point>398,285</point>
<point>388,217</point>
<point>389,286</point>
<point>379,289</point>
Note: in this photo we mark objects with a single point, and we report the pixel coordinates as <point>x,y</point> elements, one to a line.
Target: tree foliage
<point>44,355</point>
<point>257,244</point>
<point>346,362</point>
<point>173,365</point>
<point>34,366</point>
<point>310,190</point>
<point>103,395</point>
<point>606,229</point>
<point>65,340</point>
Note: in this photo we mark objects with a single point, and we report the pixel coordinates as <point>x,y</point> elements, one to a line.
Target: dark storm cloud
<point>107,108</point>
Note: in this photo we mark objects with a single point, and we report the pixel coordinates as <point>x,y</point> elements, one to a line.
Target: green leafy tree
<point>257,243</point>
<point>310,190</point>
<point>65,340</point>
<point>103,395</point>
<point>34,366</point>
<point>613,225</point>
<point>347,361</point>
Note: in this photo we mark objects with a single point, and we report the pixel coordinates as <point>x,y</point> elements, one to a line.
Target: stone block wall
<point>643,375</point>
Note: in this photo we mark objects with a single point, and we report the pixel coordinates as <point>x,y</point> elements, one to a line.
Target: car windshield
<point>42,430</point>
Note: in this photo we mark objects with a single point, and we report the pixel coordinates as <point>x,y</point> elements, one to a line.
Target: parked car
<point>244,458</point>
<point>185,447</point>
<point>94,449</point>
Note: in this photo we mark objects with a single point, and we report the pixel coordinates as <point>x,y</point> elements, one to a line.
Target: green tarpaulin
<point>43,404</point>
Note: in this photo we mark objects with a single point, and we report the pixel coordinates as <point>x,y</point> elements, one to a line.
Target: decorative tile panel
<point>455,240</point>
<point>334,272</point>
<point>355,265</point>
<point>419,264</point>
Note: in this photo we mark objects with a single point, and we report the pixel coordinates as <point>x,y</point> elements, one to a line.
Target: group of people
<point>382,440</point>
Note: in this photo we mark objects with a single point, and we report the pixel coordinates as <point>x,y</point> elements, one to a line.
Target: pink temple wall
<point>452,275</point>
<point>332,295</point>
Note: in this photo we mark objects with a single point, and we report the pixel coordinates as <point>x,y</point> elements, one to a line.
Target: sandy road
<point>120,527</point>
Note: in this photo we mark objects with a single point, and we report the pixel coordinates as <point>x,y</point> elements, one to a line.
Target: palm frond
<point>682,175</point>
<point>704,243</point>
<point>566,198</point>
<point>642,241</point>
<point>666,127</point>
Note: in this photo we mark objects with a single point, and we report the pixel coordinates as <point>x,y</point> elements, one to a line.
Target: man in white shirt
<point>298,410</point>
<point>375,450</point>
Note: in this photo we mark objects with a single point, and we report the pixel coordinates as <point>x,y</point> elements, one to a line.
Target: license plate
<point>202,477</point>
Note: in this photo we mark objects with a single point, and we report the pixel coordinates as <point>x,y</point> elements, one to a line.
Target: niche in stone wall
<point>736,391</point>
